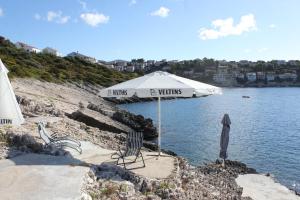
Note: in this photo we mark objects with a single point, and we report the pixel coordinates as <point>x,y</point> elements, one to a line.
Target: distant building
<point>83,57</point>
<point>224,79</point>
<point>51,51</point>
<point>28,48</point>
<point>223,69</point>
<point>270,76</point>
<point>188,73</point>
<point>171,62</point>
<point>293,62</point>
<point>158,63</point>
<point>251,76</point>
<point>280,62</point>
<point>223,76</point>
<point>120,63</point>
<point>288,76</point>
<point>210,72</point>
<point>233,64</point>
<point>119,68</point>
<point>260,76</point>
<point>240,76</point>
<point>130,68</point>
<point>139,66</point>
<point>149,62</point>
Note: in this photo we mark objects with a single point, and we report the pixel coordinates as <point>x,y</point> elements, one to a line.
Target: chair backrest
<point>134,143</point>
<point>43,133</point>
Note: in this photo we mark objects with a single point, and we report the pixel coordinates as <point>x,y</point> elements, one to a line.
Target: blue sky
<point>157,29</point>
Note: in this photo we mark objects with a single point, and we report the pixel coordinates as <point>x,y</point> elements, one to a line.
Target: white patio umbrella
<point>160,84</point>
<point>10,112</point>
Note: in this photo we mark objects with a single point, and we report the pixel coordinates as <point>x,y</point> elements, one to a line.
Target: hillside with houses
<point>219,72</point>
<point>222,72</point>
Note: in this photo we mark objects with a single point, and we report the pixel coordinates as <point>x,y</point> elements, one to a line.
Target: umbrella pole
<point>159,127</point>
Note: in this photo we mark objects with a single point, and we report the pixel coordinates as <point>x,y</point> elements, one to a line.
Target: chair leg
<point>142,159</point>
<point>124,163</point>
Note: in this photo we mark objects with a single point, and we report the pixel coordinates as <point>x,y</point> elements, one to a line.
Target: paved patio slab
<point>39,176</point>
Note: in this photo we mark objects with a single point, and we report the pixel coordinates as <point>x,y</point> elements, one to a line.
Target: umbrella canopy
<point>224,136</point>
<point>10,112</point>
<point>160,84</point>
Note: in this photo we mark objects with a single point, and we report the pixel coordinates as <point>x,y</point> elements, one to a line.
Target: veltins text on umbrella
<point>163,92</point>
<point>116,92</point>
<point>5,121</point>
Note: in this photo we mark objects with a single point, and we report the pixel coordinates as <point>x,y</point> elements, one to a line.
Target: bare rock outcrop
<point>35,108</point>
<point>95,119</point>
<point>137,122</point>
<point>209,182</point>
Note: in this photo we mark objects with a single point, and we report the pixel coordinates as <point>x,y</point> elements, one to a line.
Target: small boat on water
<point>247,97</point>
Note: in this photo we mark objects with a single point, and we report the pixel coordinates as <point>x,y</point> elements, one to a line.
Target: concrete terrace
<point>38,176</point>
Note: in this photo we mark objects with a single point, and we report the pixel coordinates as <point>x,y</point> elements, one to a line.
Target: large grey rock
<point>137,123</point>
<point>95,119</point>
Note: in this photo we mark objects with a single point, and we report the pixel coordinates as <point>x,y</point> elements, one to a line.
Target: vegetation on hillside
<point>56,69</point>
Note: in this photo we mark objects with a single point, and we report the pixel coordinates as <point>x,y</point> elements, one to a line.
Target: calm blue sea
<point>265,130</point>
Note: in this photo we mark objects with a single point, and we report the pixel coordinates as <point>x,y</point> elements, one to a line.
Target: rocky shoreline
<point>210,181</point>
<point>80,113</point>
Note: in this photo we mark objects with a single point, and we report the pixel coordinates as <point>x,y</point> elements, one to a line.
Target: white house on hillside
<point>51,51</point>
<point>251,76</point>
<point>130,68</point>
<point>26,47</point>
<point>223,76</point>
<point>150,62</point>
<point>121,63</point>
<point>270,76</point>
<point>260,76</point>
<point>288,76</point>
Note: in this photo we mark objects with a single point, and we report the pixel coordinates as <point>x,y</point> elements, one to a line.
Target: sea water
<point>265,129</point>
